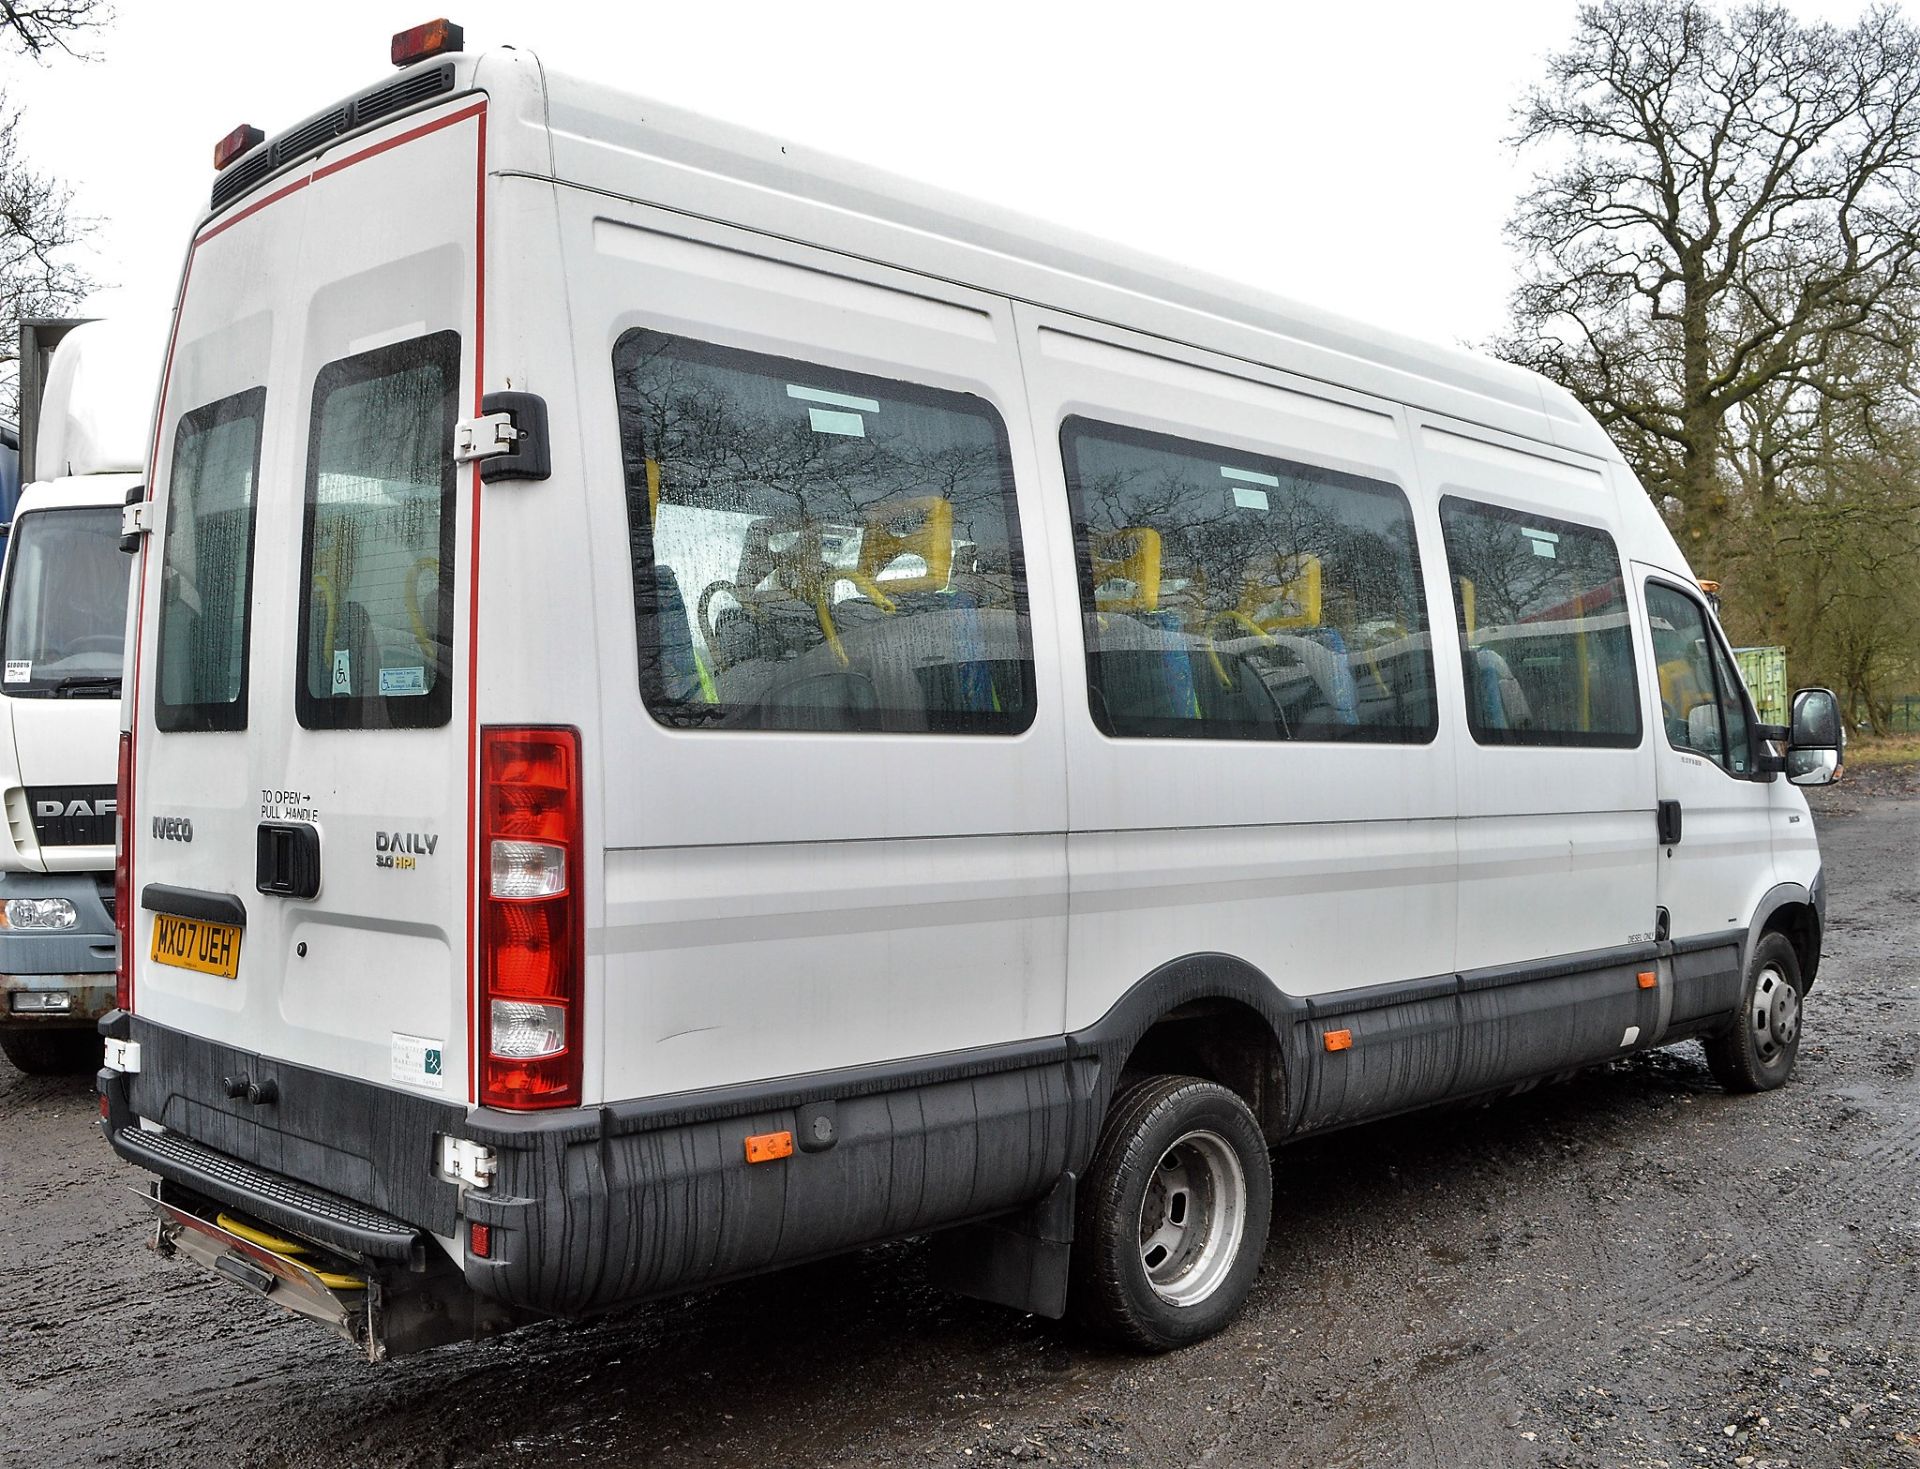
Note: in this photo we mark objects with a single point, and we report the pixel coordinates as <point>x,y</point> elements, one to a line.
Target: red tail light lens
<point>417,43</point>
<point>123,873</point>
<point>532,931</point>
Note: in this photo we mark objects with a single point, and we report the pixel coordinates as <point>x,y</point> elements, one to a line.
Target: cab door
<point>1715,842</point>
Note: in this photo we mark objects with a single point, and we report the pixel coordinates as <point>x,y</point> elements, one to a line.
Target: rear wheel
<point>51,1052</point>
<point>1173,1215</point>
<point>1756,1052</point>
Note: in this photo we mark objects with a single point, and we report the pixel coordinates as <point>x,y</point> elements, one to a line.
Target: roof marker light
<point>435,38</point>
<point>235,143</point>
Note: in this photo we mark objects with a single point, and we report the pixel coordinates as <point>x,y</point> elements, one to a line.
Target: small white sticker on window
<point>827,421</point>
<point>832,400</point>
<point>418,1061</point>
<point>342,671</point>
<point>19,670</point>
<point>399,682</point>
<point>1248,499</point>
<point>1250,477</point>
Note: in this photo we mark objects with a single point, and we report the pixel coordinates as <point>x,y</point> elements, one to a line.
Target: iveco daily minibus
<point>695,706</point>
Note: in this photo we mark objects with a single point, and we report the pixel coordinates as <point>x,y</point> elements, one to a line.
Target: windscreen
<point>66,603</point>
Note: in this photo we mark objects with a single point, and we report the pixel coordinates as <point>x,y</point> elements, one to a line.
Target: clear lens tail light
<point>532,931</point>
<point>123,874</point>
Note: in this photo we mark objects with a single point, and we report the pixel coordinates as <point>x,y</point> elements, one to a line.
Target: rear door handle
<point>288,859</point>
<point>1668,818</point>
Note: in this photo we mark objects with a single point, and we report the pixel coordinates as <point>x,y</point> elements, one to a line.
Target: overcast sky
<point>1352,155</point>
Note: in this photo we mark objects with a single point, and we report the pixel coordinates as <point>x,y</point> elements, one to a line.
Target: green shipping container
<point>1765,672</point>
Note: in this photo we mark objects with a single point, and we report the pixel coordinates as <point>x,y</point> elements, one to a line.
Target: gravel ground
<point>1629,1269</point>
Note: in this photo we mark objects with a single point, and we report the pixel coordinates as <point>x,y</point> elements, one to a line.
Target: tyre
<point>51,1052</point>
<point>1172,1215</point>
<point>1755,1053</point>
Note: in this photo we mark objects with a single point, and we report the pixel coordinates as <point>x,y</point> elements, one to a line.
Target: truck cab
<point>63,604</point>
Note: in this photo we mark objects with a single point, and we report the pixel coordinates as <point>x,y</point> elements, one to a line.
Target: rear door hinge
<point>509,439</point>
<point>484,437</point>
<point>136,519</point>
<point>465,1161</point>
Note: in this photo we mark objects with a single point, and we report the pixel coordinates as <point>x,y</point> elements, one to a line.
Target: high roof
<point>597,129</point>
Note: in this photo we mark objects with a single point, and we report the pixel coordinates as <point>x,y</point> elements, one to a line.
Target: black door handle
<point>1668,818</point>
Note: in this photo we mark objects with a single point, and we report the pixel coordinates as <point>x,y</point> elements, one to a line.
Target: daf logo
<point>105,806</point>
<point>172,829</point>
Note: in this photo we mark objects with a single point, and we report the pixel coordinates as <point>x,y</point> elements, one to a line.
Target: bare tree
<point>1731,206</point>
<point>38,228</point>
<point>40,26</point>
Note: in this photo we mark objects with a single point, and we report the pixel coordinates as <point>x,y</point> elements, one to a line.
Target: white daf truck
<point>86,400</point>
<point>697,706</point>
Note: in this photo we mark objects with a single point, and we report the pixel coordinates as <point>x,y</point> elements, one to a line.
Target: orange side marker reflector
<point>479,1240</point>
<point>769,1147</point>
<point>1648,979</point>
<point>1339,1040</point>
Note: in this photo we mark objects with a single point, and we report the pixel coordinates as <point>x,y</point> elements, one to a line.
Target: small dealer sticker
<point>417,1061</point>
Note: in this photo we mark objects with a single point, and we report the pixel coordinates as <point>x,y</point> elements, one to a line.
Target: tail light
<point>123,874</point>
<point>532,930</point>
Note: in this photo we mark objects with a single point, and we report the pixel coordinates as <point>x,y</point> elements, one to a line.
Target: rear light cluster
<point>532,932</point>
<point>123,874</point>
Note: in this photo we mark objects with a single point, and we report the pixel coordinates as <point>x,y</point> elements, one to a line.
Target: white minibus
<point>695,706</point>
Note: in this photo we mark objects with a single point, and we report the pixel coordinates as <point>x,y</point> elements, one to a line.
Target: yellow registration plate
<point>194,943</point>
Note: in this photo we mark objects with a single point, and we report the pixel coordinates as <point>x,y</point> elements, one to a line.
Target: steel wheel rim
<point>1193,1216</point>
<point>1775,1014</point>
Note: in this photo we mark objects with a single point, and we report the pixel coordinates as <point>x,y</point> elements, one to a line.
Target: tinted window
<point>206,567</point>
<point>376,622</point>
<point>66,607</point>
<point>1231,596</point>
<point>1544,633</point>
<point>1700,700</point>
<point>818,550</point>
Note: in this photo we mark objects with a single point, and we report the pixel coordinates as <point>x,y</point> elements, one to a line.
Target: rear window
<point>66,603</point>
<point>819,550</point>
<point>206,567</point>
<point>1542,611</point>
<point>376,623</point>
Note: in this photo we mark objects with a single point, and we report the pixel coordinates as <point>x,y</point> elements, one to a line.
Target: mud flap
<point>1018,1259</point>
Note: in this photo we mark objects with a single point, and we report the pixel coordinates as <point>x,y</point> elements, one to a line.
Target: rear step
<point>322,1217</point>
<point>386,1312</point>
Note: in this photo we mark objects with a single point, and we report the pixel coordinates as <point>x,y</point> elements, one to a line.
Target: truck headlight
<point>38,913</point>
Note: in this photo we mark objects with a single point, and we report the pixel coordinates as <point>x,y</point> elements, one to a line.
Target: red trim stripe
<point>473,619</point>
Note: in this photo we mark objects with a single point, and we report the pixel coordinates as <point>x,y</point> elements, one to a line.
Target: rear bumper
<point>599,1207</point>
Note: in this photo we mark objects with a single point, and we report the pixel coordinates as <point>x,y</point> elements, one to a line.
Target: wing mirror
<point>1816,738</point>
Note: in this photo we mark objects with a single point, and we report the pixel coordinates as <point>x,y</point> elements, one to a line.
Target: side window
<point>206,567</point>
<point>1231,596</point>
<point>818,550</point>
<point>376,620</point>
<point>1700,699</point>
<point>1546,646</point>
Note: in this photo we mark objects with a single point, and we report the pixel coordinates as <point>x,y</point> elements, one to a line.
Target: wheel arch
<point>1214,1016</point>
<point>1794,912</point>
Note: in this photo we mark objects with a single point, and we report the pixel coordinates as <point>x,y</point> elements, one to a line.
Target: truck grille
<point>72,816</point>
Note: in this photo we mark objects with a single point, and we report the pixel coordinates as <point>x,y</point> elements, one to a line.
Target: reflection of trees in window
<point>815,549</point>
<point>1259,578</point>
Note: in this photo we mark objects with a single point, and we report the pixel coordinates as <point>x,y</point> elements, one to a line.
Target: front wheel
<point>1755,1053</point>
<point>1173,1215</point>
